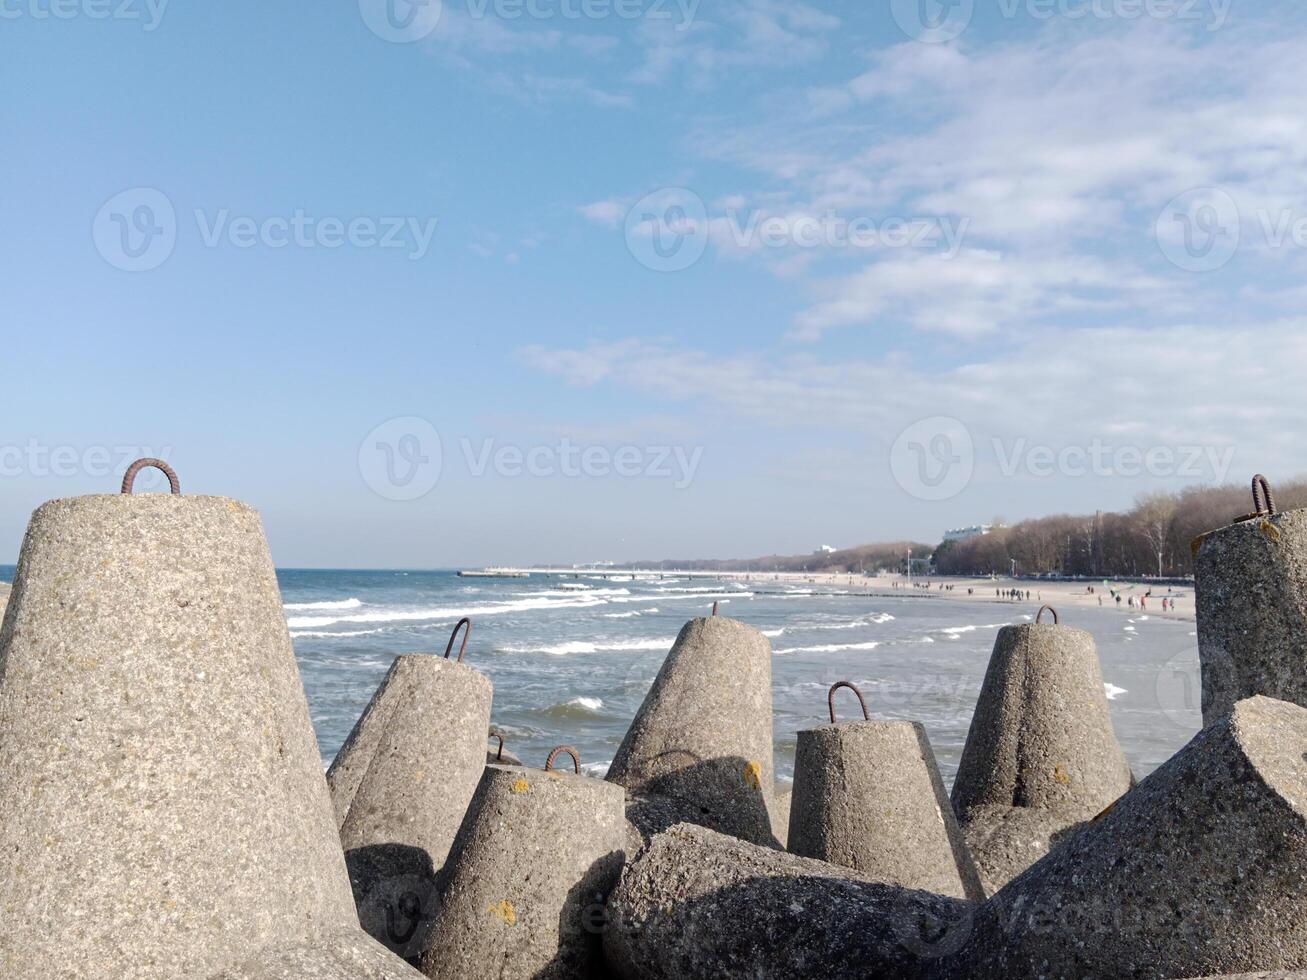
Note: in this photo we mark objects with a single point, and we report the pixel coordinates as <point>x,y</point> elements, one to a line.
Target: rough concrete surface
<point>1251,603</point>
<point>699,904</point>
<point>868,796</point>
<point>1201,869</point>
<point>704,731</point>
<point>348,955</point>
<point>1041,738</point>
<point>527,878</point>
<point>426,746</point>
<point>163,808</point>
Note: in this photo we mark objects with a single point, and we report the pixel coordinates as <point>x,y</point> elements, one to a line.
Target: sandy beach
<point>1060,595</point>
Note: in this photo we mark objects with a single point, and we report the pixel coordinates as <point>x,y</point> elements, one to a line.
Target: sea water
<point>571,658</point>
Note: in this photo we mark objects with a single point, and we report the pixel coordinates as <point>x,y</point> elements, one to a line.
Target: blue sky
<point>1044,257</point>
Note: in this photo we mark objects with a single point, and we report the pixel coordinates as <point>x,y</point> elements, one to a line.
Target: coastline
<point>1060,595</point>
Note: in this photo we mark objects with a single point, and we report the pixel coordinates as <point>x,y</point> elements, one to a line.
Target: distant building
<point>825,550</point>
<point>962,533</point>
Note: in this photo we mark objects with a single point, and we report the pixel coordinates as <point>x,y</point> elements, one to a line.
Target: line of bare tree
<point>1152,538</point>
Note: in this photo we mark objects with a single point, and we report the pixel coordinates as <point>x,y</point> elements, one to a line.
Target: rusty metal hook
<point>466,635</point>
<point>1263,501</point>
<point>1043,609</point>
<point>576,759</point>
<point>129,478</point>
<point>714,609</point>
<point>830,699</point>
<point>499,756</point>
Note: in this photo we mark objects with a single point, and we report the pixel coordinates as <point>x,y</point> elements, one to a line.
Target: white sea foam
<point>1112,691</point>
<point>350,603</point>
<point>331,634</point>
<point>832,647</point>
<point>595,646</point>
<point>589,704</point>
<point>415,615</point>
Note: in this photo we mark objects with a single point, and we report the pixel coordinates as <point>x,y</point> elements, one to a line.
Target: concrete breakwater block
<point>697,903</point>
<point>1251,601</point>
<point>1041,738</point>
<point>868,796</point>
<point>163,811</point>
<point>1200,869</point>
<point>704,731</point>
<point>526,880</point>
<point>497,755</point>
<point>416,756</point>
<point>349,955</point>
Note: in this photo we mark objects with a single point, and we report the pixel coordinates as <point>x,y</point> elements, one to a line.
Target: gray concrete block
<point>163,809</point>
<point>699,904</point>
<point>497,754</point>
<point>426,728</point>
<point>1005,840</point>
<point>868,796</point>
<point>349,955</point>
<point>704,731</point>
<point>527,878</point>
<point>1251,603</point>
<point>1041,738</point>
<point>1200,869</point>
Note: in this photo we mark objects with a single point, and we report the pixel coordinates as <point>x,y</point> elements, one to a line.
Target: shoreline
<point>1059,595</point>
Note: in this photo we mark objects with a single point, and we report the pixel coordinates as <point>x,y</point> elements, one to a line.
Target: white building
<point>962,533</point>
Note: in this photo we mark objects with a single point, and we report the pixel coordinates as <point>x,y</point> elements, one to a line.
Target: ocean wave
<point>953,632</point>
<point>333,634</point>
<point>630,613</point>
<point>350,603</point>
<point>832,647</point>
<point>595,646</point>
<point>577,601</point>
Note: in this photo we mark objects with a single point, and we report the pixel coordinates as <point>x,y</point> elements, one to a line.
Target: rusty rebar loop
<point>1263,500</point>
<point>576,759</point>
<point>1043,609</point>
<point>499,756</point>
<point>465,621</point>
<point>714,609</point>
<point>129,478</point>
<point>830,699</point>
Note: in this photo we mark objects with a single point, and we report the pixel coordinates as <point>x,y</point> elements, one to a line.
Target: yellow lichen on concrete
<point>753,775</point>
<point>1269,531</point>
<point>520,785</point>
<point>1060,775</point>
<point>503,910</point>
